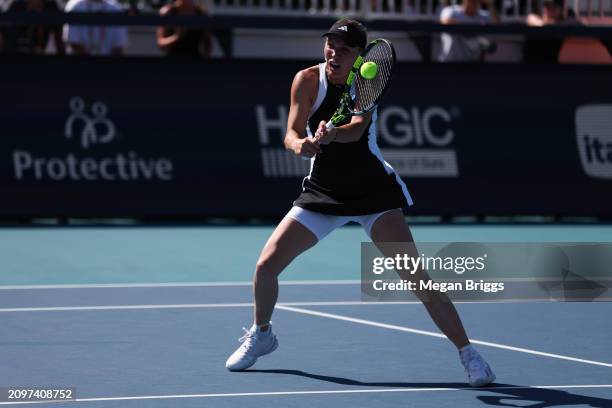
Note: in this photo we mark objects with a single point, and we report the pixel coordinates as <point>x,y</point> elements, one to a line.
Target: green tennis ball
<point>368,70</point>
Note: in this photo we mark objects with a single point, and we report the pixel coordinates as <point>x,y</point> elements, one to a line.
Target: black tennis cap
<point>352,32</point>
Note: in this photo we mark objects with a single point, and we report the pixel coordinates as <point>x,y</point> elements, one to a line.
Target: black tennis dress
<point>348,178</point>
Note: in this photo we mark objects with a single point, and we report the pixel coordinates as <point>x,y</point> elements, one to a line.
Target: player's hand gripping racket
<point>367,82</point>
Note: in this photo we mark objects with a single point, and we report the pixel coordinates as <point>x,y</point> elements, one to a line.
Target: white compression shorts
<point>322,224</point>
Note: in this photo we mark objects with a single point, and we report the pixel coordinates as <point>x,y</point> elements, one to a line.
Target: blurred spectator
<point>183,41</point>
<point>552,13</point>
<point>32,39</point>
<point>462,48</point>
<point>95,40</point>
<point>546,50</point>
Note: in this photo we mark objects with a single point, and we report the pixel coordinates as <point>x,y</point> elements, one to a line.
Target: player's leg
<point>391,227</point>
<point>289,239</point>
<point>298,231</point>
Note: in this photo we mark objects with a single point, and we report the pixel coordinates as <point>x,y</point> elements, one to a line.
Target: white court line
<point>439,335</point>
<point>122,307</point>
<point>291,306</point>
<point>193,306</point>
<point>315,392</point>
<point>176,284</point>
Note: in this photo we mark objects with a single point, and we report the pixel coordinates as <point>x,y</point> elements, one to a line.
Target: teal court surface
<point>146,317</point>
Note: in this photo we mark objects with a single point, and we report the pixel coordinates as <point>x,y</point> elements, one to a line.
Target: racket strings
<point>369,91</point>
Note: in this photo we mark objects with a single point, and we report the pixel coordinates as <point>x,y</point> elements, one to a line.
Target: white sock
<point>257,329</point>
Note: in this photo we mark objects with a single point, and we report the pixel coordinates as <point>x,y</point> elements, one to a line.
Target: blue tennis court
<point>147,317</point>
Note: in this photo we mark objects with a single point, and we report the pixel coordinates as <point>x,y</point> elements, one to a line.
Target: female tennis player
<point>348,181</point>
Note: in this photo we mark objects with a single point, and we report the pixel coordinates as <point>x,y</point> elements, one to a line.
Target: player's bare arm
<point>303,93</point>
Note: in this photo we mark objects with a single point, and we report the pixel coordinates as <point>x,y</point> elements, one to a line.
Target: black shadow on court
<point>512,395</point>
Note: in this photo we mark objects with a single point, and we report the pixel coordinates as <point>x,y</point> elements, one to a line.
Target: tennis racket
<point>362,95</point>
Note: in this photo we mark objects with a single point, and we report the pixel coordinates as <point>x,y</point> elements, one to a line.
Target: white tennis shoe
<point>478,371</point>
<point>255,344</point>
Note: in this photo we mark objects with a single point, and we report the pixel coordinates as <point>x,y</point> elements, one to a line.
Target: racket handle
<point>329,125</point>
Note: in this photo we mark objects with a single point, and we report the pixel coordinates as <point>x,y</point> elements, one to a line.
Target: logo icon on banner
<point>96,129</point>
<point>118,165</point>
<point>594,138</point>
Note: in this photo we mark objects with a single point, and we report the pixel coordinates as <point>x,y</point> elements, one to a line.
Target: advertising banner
<point>187,138</point>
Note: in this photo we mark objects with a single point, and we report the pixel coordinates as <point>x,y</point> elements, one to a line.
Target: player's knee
<point>264,270</point>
